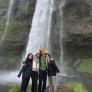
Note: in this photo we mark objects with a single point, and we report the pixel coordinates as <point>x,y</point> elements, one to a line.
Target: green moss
<point>3,4</point>
<point>13,62</point>
<point>85,65</point>
<point>15,25</point>
<point>14,89</point>
<point>78,87</point>
<point>2,27</point>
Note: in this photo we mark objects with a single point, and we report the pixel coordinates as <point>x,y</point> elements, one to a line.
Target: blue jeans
<point>42,81</point>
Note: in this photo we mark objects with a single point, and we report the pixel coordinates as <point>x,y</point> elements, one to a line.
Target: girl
<point>35,70</point>
<point>26,72</point>
<point>52,71</point>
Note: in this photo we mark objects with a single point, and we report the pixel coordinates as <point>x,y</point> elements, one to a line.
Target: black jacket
<point>26,69</point>
<point>52,68</point>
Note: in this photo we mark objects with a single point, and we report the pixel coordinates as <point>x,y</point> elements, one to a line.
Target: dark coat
<point>26,69</point>
<point>52,68</point>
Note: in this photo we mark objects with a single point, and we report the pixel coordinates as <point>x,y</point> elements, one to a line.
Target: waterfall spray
<point>9,12</point>
<point>61,27</point>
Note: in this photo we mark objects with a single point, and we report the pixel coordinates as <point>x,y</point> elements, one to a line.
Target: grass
<point>78,87</point>
<point>85,66</point>
<point>14,89</point>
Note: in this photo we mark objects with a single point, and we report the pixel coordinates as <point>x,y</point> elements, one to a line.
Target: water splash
<point>9,78</point>
<point>40,31</point>
<point>9,13</point>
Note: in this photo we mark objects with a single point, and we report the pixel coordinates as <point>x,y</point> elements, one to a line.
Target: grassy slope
<point>78,87</point>
<point>85,66</point>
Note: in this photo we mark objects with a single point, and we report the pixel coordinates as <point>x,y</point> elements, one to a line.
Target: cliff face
<point>78,29</point>
<point>17,33</point>
<point>77,39</point>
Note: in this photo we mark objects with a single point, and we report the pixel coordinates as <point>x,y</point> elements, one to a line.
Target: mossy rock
<point>2,27</point>
<point>85,66</point>
<point>72,87</point>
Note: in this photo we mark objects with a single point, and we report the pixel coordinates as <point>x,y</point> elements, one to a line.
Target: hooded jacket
<point>52,68</point>
<point>26,69</point>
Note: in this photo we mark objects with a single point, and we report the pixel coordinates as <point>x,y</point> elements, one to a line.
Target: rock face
<point>77,36</point>
<point>77,39</point>
<point>17,33</point>
<point>78,29</point>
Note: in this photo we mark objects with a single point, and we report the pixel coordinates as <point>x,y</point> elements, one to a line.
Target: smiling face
<point>42,51</point>
<point>30,56</point>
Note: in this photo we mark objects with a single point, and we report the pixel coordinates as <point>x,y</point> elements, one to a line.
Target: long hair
<point>27,59</point>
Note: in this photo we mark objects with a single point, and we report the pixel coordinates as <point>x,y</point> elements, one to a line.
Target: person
<point>42,71</point>
<point>52,71</point>
<point>26,72</point>
<point>35,70</point>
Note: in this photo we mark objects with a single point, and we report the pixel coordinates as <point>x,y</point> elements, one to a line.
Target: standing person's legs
<point>24,84</point>
<point>33,78</point>
<point>50,84</point>
<point>44,81</point>
<point>54,83</point>
<point>34,81</point>
<point>40,81</point>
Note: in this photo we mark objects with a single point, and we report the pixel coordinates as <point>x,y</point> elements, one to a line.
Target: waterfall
<point>40,30</point>
<point>9,12</point>
<point>61,27</point>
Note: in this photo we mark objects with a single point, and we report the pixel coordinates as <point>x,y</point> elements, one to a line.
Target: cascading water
<point>41,26</point>
<point>40,31</point>
<point>9,12</point>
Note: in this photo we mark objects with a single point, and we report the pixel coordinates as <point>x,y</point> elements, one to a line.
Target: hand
<point>18,76</point>
<point>59,74</point>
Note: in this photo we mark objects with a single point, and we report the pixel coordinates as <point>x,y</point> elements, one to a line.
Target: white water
<point>40,31</point>
<point>9,12</point>
<point>60,7</point>
<point>9,78</point>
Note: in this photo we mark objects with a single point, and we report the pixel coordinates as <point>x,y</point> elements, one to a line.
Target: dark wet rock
<point>17,33</point>
<point>77,29</point>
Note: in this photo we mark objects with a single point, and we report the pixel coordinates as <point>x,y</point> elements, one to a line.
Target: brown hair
<point>48,55</point>
<point>29,55</point>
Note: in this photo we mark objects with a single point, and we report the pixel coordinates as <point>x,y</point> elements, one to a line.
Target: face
<point>47,57</point>
<point>43,52</point>
<point>30,56</point>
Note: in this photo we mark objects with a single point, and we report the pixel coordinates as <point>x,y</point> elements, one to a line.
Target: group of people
<point>38,67</point>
